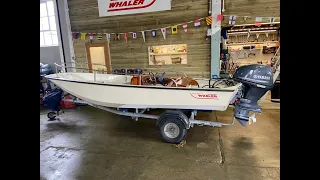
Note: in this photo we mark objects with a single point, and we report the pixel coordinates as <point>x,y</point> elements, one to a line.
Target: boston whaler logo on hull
<point>119,5</point>
<point>204,96</point>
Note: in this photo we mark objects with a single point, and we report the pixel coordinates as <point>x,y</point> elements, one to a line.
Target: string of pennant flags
<point>174,28</point>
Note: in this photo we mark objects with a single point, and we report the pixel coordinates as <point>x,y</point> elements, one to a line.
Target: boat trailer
<point>173,124</point>
<point>256,81</point>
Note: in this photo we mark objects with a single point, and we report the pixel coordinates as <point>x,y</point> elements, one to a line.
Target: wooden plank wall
<point>84,17</point>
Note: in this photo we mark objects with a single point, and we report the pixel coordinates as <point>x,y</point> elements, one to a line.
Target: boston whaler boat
<point>182,97</point>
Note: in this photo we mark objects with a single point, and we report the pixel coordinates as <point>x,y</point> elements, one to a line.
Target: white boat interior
<point>127,80</point>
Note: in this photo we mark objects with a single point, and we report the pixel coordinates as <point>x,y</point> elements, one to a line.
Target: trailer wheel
<point>172,130</point>
<point>51,115</point>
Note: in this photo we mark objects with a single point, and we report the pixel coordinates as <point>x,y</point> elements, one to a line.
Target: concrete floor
<point>90,144</point>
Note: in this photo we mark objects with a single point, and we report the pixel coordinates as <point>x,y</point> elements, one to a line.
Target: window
<point>48,28</point>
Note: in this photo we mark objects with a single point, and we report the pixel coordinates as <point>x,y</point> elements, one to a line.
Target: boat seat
<point>183,82</point>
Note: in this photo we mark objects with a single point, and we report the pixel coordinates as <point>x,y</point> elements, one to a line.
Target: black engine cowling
<point>256,80</point>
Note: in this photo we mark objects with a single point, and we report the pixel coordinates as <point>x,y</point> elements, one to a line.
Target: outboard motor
<point>256,80</point>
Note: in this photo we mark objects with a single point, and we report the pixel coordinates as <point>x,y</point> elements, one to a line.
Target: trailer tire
<point>172,130</point>
<point>51,115</point>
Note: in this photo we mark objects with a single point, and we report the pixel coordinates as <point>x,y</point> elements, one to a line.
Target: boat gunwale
<point>139,86</point>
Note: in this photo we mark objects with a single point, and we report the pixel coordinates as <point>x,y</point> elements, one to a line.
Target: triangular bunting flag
<point>163,31</point>
<point>108,37</point>
<point>258,21</point>
<point>91,37</point>
<point>174,29</point>
<point>153,33</point>
<point>83,36</point>
<point>232,19</point>
<point>209,32</point>
<point>100,37</point>
<point>144,36</point>
<point>197,23</point>
<point>209,20</point>
<point>185,27</point>
<point>272,19</point>
<point>134,35</point>
<point>126,37</point>
<point>77,35</point>
<point>74,35</point>
<point>117,37</point>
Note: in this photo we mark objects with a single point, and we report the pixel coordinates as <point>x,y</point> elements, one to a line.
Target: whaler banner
<point>121,7</point>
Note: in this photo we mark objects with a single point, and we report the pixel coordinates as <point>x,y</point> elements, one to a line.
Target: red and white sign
<point>204,96</point>
<point>121,7</point>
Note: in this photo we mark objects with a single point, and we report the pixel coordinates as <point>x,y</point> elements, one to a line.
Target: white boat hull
<point>112,91</point>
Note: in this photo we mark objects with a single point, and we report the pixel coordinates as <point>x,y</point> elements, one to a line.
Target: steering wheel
<point>152,78</point>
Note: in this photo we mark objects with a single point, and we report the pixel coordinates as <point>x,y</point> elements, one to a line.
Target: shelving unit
<point>164,54</point>
<point>168,54</point>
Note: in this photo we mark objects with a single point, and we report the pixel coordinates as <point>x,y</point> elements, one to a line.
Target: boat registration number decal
<point>204,96</point>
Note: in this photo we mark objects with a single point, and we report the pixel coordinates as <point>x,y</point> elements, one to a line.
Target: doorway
<point>98,53</point>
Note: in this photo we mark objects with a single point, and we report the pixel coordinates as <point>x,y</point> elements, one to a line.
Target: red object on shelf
<point>67,105</point>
